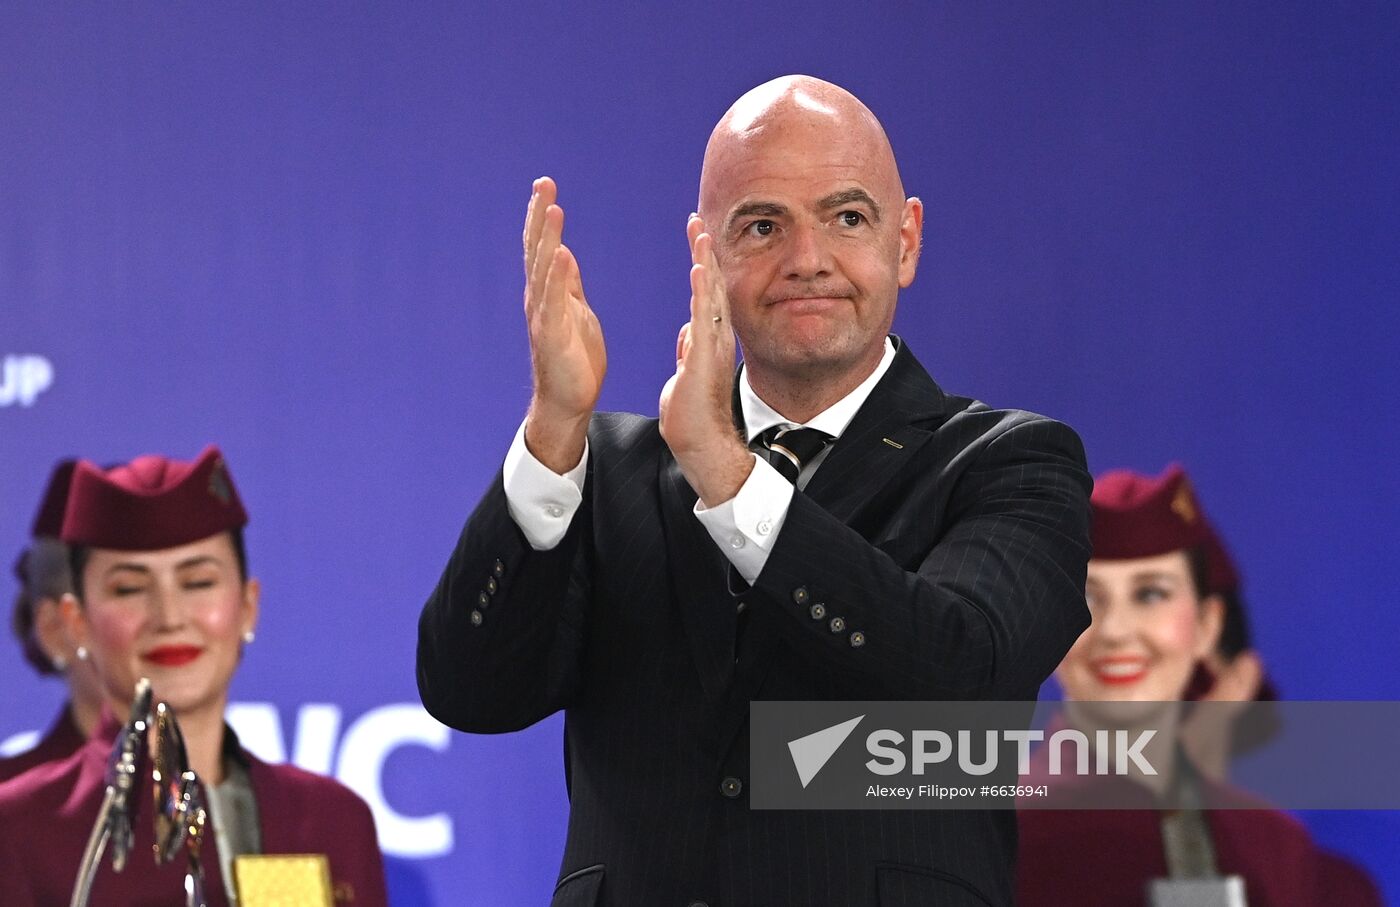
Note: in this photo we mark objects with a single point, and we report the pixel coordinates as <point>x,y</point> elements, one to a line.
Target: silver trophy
<point>180,813</point>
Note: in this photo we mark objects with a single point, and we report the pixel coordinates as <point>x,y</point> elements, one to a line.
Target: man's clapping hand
<point>697,420</point>
<point>567,355</point>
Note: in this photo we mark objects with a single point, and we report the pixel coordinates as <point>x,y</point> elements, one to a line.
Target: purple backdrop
<point>294,230</point>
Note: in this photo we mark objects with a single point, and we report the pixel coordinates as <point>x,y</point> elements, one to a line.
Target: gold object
<point>283,880</point>
<point>894,444</point>
<point>1183,504</point>
<point>718,319</point>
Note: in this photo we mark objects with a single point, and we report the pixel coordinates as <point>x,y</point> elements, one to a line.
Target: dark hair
<point>1234,631</point>
<point>42,572</point>
<point>1234,626</point>
<point>78,558</point>
<point>1200,570</point>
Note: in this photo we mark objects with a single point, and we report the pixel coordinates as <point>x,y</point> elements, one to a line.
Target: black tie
<point>789,449</point>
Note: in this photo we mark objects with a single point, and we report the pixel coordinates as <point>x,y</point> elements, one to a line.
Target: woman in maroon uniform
<point>1157,617</point>
<point>162,592</point>
<point>43,576</point>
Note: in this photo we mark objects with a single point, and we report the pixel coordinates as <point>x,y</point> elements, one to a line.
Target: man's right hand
<point>567,355</point>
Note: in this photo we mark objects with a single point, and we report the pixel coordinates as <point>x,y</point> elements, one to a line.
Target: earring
<point>82,653</point>
<point>248,637</point>
<point>59,663</point>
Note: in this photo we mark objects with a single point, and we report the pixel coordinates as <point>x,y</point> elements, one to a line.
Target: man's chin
<point>809,354</point>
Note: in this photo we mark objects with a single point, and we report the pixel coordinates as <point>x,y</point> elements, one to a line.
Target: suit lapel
<point>896,420</point>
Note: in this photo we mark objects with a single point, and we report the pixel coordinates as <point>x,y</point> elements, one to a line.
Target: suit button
<point>818,611</point>
<point>838,624</point>
<point>483,600</point>
<point>491,585</point>
<point>499,569</point>
<point>476,618</point>
<point>800,595</point>
<point>731,787</point>
<point>739,608</point>
<point>697,904</point>
<point>857,639</point>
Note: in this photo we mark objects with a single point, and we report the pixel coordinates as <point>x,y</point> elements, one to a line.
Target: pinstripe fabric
<point>950,536</point>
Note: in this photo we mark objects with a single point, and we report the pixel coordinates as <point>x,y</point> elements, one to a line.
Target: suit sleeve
<point>501,637</point>
<point>989,611</point>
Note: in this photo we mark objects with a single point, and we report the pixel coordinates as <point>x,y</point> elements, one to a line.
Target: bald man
<point>828,524</point>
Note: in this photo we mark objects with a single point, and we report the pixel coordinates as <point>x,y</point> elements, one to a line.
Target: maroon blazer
<point>62,740</point>
<point>1107,857</point>
<point>47,814</point>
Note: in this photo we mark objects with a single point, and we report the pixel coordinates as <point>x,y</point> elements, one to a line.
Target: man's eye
<point>762,227</point>
<point>851,218</point>
<point>199,584</point>
<point>128,590</point>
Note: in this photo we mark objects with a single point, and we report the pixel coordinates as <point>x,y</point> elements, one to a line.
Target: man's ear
<point>911,239</point>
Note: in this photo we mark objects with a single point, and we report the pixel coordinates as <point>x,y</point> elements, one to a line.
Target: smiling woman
<point>1156,617</point>
<point>162,592</point>
<point>1153,620</point>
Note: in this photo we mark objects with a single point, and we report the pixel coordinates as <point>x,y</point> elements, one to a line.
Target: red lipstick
<point>1119,671</point>
<point>173,656</point>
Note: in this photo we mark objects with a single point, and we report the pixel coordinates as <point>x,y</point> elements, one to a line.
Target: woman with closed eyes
<point>162,592</point>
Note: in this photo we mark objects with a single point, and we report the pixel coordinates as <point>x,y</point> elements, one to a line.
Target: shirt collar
<point>759,416</point>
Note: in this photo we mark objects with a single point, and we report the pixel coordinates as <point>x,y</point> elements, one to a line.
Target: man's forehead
<point>797,173</point>
<point>792,131</point>
<point>780,197</point>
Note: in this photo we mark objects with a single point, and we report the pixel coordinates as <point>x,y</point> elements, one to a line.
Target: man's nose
<point>808,256</point>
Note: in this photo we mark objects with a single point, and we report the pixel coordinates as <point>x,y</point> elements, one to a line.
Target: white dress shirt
<point>543,502</point>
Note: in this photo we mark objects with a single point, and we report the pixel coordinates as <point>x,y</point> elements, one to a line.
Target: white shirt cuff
<point>540,500</point>
<point>746,526</point>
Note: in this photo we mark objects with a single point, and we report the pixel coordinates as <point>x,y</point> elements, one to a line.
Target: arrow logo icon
<point>812,752</point>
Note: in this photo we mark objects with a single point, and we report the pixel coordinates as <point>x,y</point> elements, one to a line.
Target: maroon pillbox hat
<point>48,522</point>
<point>1221,575</point>
<point>1143,516</point>
<point>152,503</point>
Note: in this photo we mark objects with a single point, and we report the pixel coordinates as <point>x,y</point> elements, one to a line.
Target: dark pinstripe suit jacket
<point>952,536</point>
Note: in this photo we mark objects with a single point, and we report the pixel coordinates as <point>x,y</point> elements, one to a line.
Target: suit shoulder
<point>975,419</point>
